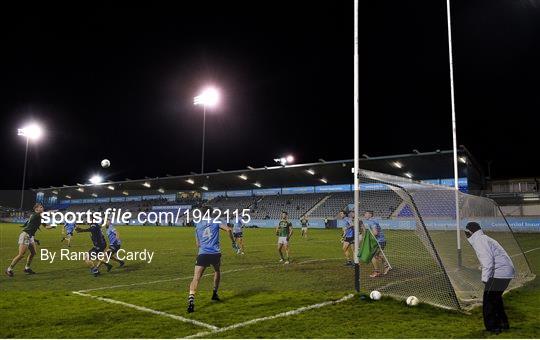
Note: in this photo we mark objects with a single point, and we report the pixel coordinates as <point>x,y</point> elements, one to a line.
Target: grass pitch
<point>149,300</point>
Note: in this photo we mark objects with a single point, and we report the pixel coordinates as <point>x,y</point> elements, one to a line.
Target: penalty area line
<point>266,318</point>
<point>152,311</point>
<point>171,279</point>
<point>205,275</point>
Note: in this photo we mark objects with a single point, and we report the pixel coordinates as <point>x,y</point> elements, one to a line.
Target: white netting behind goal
<point>419,222</point>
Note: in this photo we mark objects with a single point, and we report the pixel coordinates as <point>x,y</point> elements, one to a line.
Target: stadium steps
<point>256,202</point>
<point>318,204</point>
<point>398,210</point>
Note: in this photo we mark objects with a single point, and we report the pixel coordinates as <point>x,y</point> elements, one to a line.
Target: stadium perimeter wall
<point>518,224</point>
<point>529,224</point>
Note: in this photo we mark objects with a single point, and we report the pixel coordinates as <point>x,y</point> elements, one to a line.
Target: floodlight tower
<point>209,97</point>
<point>31,132</point>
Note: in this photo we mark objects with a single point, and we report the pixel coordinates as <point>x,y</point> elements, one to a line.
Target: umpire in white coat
<point>497,271</point>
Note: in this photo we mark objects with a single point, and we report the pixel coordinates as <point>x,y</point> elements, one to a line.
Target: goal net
<point>419,223</point>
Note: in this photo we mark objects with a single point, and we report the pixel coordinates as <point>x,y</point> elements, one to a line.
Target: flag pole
<point>356,169</point>
<point>454,132</point>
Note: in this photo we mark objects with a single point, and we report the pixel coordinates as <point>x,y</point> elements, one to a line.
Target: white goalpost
<point>421,221</point>
<point>356,154</point>
<point>454,133</point>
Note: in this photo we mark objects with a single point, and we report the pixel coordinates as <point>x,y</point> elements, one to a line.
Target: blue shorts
<point>206,260</point>
<point>238,235</point>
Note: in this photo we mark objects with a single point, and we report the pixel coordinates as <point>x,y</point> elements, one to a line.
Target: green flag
<point>368,247</point>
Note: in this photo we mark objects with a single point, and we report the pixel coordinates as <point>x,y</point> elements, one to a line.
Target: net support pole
<point>454,132</point>
<point>356,169</point>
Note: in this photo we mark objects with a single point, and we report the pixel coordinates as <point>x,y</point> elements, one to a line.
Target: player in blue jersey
<point>69,227</point>
<point>99,245</point>
<point>114,245</point>
<point>380,265</point>
<point>238,235</point>
<point>209,254</point>
<point>347,238</point>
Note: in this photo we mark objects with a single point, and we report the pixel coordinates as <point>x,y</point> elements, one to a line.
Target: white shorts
<point>304,228</point>
<point>26,239</point>
<point>282,240</point>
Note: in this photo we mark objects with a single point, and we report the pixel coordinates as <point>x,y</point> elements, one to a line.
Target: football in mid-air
<point>375,295</point>
<point>412,301</point>
<point>105,163</point>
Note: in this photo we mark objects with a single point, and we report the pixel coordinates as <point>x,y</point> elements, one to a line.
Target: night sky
<point>117,82</point>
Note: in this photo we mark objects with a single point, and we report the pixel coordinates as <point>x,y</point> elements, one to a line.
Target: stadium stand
<point>333,205</point>
<point>133,206</point>
<point>320,205</point>
<point>232,203</point>
<point>12,215</point>
<point>383,207</point>
<point>296,205</point>
<point>432,203</point>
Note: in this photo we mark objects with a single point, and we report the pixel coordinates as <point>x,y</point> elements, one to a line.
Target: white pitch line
<point>280,315</point>
<point>172,279</point>
<point>525,252</point>
<point>132,284</point>
<point>195,322</point>
<point>148,310</point>
<point>319,260</point>
<point>528,251</point>
<point>191,276</point>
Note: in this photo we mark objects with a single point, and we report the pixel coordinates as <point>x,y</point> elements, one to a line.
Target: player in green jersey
<point>284,232</point>
<point>26,240</point>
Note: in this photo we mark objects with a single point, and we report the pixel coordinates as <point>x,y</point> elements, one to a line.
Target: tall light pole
<point>209,97</point>
<point>30,132</point>
<point>454,131</point>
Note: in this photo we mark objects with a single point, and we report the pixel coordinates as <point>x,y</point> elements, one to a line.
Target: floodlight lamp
<point>32,131</point>
<point>209,97</point>
<point>96,179</point>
